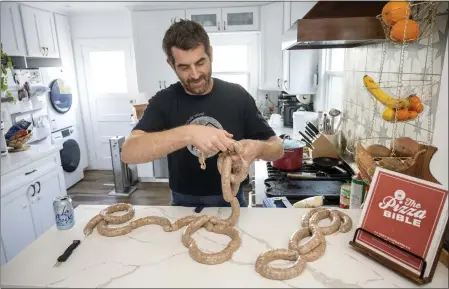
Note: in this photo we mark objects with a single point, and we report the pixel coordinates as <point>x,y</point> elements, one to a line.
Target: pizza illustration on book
<point>403,220</point>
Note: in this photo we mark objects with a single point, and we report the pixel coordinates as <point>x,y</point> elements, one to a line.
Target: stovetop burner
<point>313,182</point>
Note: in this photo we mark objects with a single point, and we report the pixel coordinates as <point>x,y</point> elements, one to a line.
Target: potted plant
<point>5,64</point>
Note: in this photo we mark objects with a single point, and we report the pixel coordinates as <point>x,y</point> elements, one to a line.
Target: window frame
<point>252,40</point>
<point>326,74</point>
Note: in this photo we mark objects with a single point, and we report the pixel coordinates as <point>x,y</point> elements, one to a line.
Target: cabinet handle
<point>29,173</point>
<point>34,191</point>
<point>38,185</point>
<point>165,85</point>
<point>285,84</point>
<point>160,84</point>
<point>43,51</point>
<point>218,24</point>
<point>278,82</point>
<point>224,25</point>
<point>46,49</point>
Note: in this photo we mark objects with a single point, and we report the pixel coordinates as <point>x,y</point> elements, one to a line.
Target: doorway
<point>109,86</point>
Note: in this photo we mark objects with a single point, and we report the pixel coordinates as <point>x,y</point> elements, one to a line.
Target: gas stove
<point>307,182</point>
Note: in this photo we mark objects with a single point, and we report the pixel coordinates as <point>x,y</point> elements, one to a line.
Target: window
<point>108,71</point>
<point>235,59</point>
<point>332,63</point>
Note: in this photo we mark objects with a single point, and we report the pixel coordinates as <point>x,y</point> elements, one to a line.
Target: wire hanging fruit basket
<point>403,100</point>
<point>407,21</point>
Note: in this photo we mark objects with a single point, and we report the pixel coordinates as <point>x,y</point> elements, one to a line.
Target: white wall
<point>439,163</point>
<point>101,25</point>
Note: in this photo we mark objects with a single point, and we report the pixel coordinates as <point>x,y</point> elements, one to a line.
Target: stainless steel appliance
<point>288,104</point>
<point>125,176</point>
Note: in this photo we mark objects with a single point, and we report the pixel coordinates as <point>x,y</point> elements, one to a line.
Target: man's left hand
<point>252,150</point>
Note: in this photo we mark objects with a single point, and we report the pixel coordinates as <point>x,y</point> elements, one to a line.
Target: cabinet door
<point>2,254</point>
<point>31,22</point>
<point>47,32</point>
<point>303,67</point>
<point>209,18</point>
<point>148,32</point>
<point>240,18</point>
<point>299,9</point>
<point>46,189</point>
<point>271,33</point>
<point>17,223</point>
<point>12,37</point>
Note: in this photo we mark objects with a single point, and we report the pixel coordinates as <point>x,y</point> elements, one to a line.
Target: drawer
<point>29,173</point>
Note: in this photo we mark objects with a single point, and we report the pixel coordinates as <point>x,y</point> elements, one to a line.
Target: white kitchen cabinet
<point>12,37</point>
<point>2,254</point>
<point>240,18</point>
<point>299,9</point>
<point>45,190</point>
<point>149,27</point>
<point>226,19</point>
<point>271,38</point>
<point>299,67</point>
<point>209,18</point>
<point>17,222</point>
<point>40,32</point>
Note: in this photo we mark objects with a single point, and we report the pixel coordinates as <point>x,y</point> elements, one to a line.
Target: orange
<point>412,114</point>
<point>411,31</point>
<point>394,11</point>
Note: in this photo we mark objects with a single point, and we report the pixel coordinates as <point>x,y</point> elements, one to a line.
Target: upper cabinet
<point>153,71</point>
<point>271,48</point>
<point>40,32</point>
<point>12,37</point>
<point>226,19</point>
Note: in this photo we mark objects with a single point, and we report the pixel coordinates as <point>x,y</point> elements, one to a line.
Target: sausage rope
<point>231,177</point>
<point>310,251</point>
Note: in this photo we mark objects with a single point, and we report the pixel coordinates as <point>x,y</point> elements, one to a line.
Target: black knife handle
<point>68,251</point>
<point>310,133</point>
<point>313,127</point>
<point>305,137</point>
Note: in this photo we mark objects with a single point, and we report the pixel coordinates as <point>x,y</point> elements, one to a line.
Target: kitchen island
<point>150,257</point>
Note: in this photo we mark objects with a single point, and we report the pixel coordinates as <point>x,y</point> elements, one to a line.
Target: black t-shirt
<point>228,106</point>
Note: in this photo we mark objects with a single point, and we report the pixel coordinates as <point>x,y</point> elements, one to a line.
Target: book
<point>408,212</point>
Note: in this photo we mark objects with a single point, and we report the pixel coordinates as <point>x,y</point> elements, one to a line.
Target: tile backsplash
<point>361,112</point>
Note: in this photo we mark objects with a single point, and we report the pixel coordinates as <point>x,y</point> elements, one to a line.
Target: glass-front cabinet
<point>209,18</point>
<point>226,19</point>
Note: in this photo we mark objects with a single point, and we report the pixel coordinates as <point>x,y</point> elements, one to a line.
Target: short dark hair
<point>185,35</point>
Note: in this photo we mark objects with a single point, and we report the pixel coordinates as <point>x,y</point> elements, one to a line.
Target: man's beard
<point>191,88</point>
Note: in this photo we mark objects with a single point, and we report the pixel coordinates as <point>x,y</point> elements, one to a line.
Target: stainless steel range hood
<point>335,24</point>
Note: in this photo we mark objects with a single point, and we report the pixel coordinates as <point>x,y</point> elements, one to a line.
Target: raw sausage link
<point>346,222</point>
<point>321,215</point>
<point>310,251</point>
<point>219,257</point>
<point>308,215</point>
<point>267,271</point>
<point>231,174</point>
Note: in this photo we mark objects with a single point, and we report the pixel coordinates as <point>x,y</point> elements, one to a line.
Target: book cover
<point>408,212</point>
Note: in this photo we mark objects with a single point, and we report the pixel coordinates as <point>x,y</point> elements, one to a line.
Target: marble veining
<point>150,257</point>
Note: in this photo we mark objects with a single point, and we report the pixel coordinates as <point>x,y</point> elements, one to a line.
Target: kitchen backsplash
<point>359,106</point>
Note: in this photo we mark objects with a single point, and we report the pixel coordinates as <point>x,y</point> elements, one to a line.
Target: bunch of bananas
<point>402,109</point>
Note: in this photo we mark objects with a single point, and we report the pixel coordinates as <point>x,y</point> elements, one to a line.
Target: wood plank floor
<point>94,189</point>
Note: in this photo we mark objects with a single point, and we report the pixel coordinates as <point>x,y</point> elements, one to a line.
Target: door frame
<point>88,122</point>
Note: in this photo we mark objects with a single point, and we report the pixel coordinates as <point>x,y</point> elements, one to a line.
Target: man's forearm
<point>271,149</point>
<point>142,147</point>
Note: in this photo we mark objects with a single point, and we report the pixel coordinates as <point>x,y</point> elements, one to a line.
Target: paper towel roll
<point>300,119</point>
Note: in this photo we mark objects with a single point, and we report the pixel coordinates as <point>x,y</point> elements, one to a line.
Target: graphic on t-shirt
<point>201,119</point>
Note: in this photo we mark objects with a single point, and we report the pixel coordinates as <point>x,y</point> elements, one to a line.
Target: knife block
<point>323,147</point>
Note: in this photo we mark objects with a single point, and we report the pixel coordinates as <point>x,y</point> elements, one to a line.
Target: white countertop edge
<point>14,161</point>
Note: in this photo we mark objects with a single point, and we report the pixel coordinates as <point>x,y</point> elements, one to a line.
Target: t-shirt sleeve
<point>256,127</point>
<point>153,118</point>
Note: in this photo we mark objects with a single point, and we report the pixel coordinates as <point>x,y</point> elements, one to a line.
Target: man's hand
<point>252,150</point>
<point>209,140</point>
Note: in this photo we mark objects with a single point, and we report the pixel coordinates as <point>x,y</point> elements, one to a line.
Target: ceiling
<point>91,6</point>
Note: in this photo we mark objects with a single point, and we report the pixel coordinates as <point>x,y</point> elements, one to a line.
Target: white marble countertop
<point>13,161</point>
<point>150,257</point>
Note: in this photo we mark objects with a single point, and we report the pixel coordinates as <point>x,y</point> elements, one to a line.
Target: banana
<point>382,97</point>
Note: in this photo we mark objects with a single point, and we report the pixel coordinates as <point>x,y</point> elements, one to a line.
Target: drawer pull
<point>29,173</point>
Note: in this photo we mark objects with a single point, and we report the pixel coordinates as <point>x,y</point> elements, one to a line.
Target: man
<point>198,113</point>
